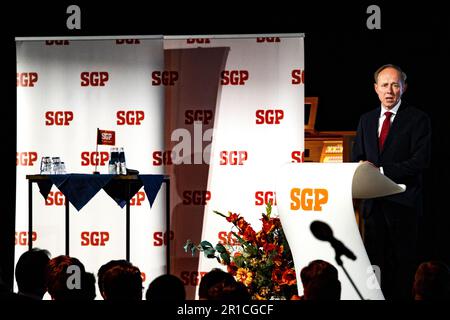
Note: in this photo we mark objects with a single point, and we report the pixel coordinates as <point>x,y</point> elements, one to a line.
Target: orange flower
<point>232,217</point>
<point>288,277</point>
<point>268,225</point>
<point>268,247</point>
<point>278,261</point>
<point>241,224</point>
<point>261,238</point>
<point>262,293</point>
<point>249,234</point>
<point>276,275</point>
<point>245,276</point>
<point>259,297</point>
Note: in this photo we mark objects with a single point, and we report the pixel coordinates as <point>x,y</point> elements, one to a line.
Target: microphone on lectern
<point>323,232</point>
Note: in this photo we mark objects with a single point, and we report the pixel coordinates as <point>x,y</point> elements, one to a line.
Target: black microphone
<point>323,232</point>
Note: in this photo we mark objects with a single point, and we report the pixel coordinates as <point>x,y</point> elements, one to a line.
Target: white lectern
<point>308,192</point>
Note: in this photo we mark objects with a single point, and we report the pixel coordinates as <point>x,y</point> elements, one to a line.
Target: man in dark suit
<point>396,138</point>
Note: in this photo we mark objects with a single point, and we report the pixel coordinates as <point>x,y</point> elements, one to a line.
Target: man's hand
<point>365,161</point>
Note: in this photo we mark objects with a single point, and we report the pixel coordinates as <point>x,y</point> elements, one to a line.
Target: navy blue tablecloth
<point>79,189</point>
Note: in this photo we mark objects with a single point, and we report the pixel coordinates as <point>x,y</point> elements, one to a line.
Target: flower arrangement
<point>261,260</point>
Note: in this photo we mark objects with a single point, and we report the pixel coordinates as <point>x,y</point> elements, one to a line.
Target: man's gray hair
<point>403,75</point>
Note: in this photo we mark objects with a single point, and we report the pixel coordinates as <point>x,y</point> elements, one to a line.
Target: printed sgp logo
<point>128,41</point>
<point>264,197</point>
<point>198,40</point>
<point>26,158</point>
<point>131,117</point>
<point>196,197</point>
<point>94,238</point>
<point>55,199</point>
<point>57,42</point>
<point>94,158</point>
<point>234,77</point>
<point>297,156</point>
<point>203,115</point>
<point>166,78</point>
<point>192,278</point>
<point>163,158</point>
<point>94,79</point>
<point>138,199</point>
<point>298,76</point>
<point>26,79</point>
<point>233,158</point>
<point>308,199</point>
<point>58,118</point>
<point>268,39</point>
<point>270,116</point>
<point>21,238</point>
<point>227,238</point>
<point>160,238</point>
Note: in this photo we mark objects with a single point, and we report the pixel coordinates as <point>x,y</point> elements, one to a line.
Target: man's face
<point>389,87</point>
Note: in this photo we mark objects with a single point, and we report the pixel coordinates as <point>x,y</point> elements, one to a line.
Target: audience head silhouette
<point>122,282</point>
<point>432,281</point>
<point>67,280</point>
<point>320,281</point>
<point>212,278</point>
<point>166,287</point>
<point>106,267</point>
<point>31,269</point>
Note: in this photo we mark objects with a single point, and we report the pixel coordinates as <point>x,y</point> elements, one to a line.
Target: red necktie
<point>385,129</point>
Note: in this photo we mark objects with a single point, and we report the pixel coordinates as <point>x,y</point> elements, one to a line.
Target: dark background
<point>341,55</point>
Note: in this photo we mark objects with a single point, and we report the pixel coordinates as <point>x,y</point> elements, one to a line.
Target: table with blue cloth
<point>79,189</point>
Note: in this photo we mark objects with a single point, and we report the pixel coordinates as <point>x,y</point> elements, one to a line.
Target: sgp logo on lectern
<point>308,199</point>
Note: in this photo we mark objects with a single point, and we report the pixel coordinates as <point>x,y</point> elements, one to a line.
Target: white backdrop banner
<point>258,125</point>
<point>66,89</point>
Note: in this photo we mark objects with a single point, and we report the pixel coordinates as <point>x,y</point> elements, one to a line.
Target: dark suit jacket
<point>406,152</point>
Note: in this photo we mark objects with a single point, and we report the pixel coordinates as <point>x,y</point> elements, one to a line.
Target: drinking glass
<point>56,165</point>
<point>46,165</point>
<point>62,168</point>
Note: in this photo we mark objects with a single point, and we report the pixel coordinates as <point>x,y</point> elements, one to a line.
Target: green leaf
<point>210,252</point>
<point>269,208</point>
<point>239,261</point>
<point>190,246</point>
<point>220,248</point>
<point>248,246</point>
<point>225,257</point>
<point>220,214</point>
<point>205,245</point>
<point>242,241</point>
